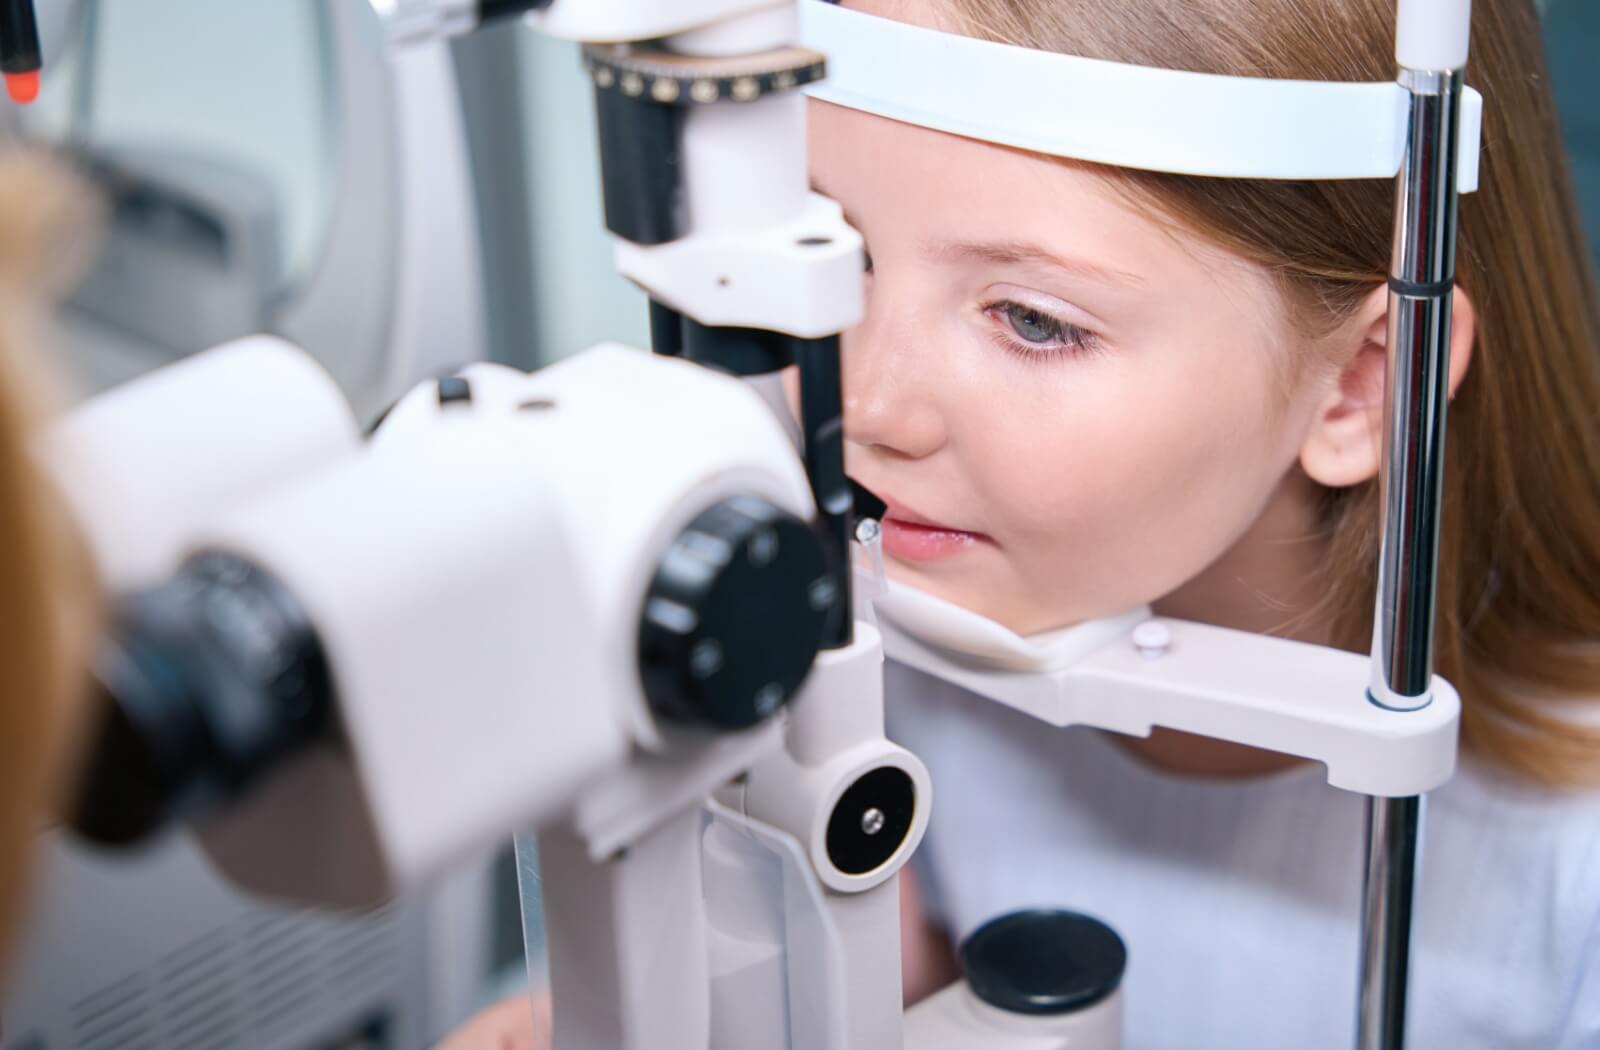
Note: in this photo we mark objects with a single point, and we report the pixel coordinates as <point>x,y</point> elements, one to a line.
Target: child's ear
<point>1344,445</point>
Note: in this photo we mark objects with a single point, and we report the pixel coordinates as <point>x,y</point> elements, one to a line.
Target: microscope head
<point>520,583</point>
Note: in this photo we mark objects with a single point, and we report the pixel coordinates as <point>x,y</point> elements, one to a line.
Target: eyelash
<point>1067,339</point>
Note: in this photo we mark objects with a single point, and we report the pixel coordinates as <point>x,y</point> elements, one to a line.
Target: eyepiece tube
<point>209,682</point>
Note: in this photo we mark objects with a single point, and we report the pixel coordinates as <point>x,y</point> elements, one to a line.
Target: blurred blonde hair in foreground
<point>45,605</point>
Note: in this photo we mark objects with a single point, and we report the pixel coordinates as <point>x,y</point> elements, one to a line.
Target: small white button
<point>1152,638</point>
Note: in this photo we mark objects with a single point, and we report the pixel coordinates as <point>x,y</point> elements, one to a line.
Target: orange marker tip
<point>23,87</point>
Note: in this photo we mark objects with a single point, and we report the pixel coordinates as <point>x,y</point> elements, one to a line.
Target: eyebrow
<point>1021,252</point>
<point>1011,253</point>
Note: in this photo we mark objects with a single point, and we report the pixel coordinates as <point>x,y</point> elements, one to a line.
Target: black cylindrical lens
<point>209,681</point>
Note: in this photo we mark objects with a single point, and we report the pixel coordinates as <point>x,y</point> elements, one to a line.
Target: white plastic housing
<point>624,904</point>
<point>1433,34</point>
<point>749,34</point>
<point>778,975</point>
<point>633,448</point>
<point>143,465</point>
<point>461,643</point>
<point>745,938</point>
<point>617,21</point>
<point>956,1019</point>
<point>746,164</point>
<point>629,963</point>
<point>835,735</point>
<point>759,249</point>
<point>688,437</point>
<point>476,576</point>
<point>799,799</point>
<point>686,768</point>
<point>802,276</point>
<point>1266,692</point>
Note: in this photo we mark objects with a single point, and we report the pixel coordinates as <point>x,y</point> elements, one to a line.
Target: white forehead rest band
<point>1116,114</point>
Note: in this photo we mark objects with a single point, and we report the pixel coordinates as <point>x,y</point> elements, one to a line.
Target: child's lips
<point>910,536</point>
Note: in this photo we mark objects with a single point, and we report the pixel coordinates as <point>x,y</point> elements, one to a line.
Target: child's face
<point>1095,406</point>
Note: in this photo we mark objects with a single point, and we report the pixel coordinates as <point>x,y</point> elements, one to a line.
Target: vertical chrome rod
<point>1422,279</point>
<point>1420,287</point>
<point>1394,835</point>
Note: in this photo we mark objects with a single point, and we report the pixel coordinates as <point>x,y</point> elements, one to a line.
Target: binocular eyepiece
<point>218,675</point>
<point>208,681</point>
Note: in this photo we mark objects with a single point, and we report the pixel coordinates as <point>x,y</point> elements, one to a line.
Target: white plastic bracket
<point>801,277</point>
<point>1271,693</point>
<point>653,788</point>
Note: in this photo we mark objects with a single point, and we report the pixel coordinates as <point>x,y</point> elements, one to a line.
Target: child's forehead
<point>961,206</point>
<point>866,162</point>
<point>934,14</point>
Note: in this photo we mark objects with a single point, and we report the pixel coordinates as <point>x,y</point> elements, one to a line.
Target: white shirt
<point>1239,901</point>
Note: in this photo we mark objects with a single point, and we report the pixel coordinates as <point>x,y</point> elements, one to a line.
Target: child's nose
<point>888,389</point>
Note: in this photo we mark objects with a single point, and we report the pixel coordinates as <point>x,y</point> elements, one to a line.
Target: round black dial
<point>734,616</point>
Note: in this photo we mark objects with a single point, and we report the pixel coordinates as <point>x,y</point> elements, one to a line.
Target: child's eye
<point>1031,325</point>
<point>1031,332</point>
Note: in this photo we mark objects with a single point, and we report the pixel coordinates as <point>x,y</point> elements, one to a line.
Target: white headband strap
<point>1121,115</point>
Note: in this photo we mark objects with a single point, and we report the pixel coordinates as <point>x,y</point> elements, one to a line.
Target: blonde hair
<point>1519,582</point>
<point>43,617</point>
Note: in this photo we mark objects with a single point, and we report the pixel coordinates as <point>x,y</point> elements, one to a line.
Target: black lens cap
<point>1043,961</point>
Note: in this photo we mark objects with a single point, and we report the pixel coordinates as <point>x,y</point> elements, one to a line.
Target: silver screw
<point>705,659</point>
<point>873,820</point>
<point>868,531</point>
<point>824,592</point>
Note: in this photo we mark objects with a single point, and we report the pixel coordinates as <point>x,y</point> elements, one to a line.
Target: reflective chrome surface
<point>1426,190</point>
<point>1394,835</point>
<point>1413,473</point>
<point>1416,401</point>
<point>1417,394</point>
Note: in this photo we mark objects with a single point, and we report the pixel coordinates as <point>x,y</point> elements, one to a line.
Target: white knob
<point>1152,638</point>
<point>1432,34</point>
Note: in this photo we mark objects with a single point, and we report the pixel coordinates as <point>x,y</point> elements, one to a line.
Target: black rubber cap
<point>1043,962</point>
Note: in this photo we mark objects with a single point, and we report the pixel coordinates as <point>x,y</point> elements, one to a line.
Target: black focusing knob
<point>1043,962</point>
<point>734,616</point>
